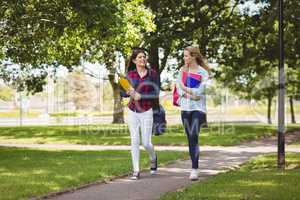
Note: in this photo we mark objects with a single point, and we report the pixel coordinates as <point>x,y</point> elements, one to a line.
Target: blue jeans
<point>192,122</point>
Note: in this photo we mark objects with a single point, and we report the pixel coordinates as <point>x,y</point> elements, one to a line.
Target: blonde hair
<point>200,59</point>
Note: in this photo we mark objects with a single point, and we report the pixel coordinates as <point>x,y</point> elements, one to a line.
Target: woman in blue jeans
<point>192,102</point>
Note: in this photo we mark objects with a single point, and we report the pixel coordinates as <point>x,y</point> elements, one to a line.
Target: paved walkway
<point>213,160</point>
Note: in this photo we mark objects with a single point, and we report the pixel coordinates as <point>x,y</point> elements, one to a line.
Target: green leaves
<point>36,34</point>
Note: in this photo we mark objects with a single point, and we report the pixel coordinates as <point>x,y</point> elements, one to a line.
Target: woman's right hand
<point>191,96</point>
<point>131,91</point>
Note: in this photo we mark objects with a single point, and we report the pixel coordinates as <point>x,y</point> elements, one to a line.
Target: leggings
<point>192,122</point>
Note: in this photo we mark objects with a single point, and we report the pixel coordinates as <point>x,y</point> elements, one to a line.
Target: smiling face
<point>140,60</point>
<point>188,59</point>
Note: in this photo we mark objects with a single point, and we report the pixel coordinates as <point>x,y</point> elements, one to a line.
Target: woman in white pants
<point>144,90</point>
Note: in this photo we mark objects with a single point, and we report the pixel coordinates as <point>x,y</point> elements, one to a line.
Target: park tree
<point>246,57</point>
<point>6,93</point>
<point>136,22</point>
<point>39,34</point>
<point>183,23</point>
<point>249,57</point>
<point>47,34</point>
<point>291,42</point>
<point>292,53</point>
<point>293,90</point>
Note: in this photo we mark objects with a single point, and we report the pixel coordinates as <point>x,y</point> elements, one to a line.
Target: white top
<point>187,104</point>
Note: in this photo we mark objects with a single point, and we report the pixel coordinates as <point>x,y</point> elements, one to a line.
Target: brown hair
<point>200,59</point>
<point>131,66</point>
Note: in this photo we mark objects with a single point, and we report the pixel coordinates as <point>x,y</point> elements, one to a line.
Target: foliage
<point>38,35</point>
<point>183,23</point>
<point>6,93</point>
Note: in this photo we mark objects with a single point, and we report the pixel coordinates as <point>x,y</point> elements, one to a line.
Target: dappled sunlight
<point>210,171</point>
<point>256,183</point>
<point>174,170</point>
<point>232,195</point>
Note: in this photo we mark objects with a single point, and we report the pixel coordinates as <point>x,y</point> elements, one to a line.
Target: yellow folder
<point>124,83</point>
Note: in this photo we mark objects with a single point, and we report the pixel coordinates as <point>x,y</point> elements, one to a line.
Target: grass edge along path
<point>259,178</point>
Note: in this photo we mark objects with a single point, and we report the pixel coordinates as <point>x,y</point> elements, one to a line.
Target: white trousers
<point>140,122</point>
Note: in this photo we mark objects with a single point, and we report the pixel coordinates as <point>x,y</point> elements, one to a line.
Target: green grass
<point>258,179</point>
<point>16,113</point>
<point>25,173</point>
<point>255,110</point>
<point>64,114</point>
<point>216,134</point>
<point>297,143</point>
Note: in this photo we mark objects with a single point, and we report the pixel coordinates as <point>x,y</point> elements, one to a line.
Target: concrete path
<point>169,178</point>
<point>213,160</point>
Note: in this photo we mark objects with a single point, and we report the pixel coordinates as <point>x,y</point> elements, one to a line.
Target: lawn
<point>216,134</point>
<point>258,179</point>
<point>25,173</point>
<point>297,143</point>
<point>16,113</point>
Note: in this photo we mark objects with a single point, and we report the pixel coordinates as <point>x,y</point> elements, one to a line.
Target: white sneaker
<point>135,176</point>
<point>153,167</point>
<point>194,175</point>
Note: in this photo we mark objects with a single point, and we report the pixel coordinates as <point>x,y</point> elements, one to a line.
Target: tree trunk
<point>164,60</point>
<point>293,120</point>
<point>118,114</point>
<point>154,58</point>
<point>269,109</point>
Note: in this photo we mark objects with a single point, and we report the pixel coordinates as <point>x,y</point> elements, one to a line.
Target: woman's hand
<point>131,91</point>
<point>191,96</point>
<point>186,89</point>
<point>183,87</point>
<point>135,95</point>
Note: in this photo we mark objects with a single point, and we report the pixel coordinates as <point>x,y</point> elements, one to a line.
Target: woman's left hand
<point>191,96</point>
<point>137,96</point>
<point>183,87</point>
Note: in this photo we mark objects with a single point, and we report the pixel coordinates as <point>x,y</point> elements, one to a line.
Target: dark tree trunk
<point>269,109</point>
<point>153,56</point>
<point>118,112</point>
<point>293,119</point>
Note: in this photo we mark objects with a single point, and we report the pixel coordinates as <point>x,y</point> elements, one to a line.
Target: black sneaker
<point>153,168</point>
<point>135,176</point>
